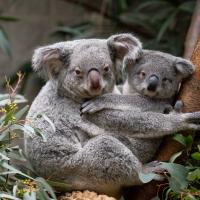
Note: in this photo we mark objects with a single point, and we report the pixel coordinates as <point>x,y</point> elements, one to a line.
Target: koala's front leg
<point>108,101</point>
<point>90,128</point>
<point>145,124</point>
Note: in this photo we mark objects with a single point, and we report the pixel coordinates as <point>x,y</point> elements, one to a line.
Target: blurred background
<point>28,24</point>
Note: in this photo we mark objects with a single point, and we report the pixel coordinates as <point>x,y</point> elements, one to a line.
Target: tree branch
<point>193,32</point>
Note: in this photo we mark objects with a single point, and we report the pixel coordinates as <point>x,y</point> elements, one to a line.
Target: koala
<point>79,152</point>
<point>151,85</point>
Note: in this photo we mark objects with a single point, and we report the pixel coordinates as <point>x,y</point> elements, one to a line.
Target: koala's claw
<point>178,106</point>
<point>90,107</point>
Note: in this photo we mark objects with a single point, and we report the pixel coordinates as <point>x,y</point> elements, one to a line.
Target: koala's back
<point>61,111</point>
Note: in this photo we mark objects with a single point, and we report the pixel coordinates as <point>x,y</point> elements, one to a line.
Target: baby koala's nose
<point>153,83</point>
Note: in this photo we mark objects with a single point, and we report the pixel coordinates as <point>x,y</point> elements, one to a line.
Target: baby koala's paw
<point>91,106</point>
<point>178,106</point>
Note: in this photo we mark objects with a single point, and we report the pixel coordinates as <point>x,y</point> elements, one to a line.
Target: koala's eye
<point>137,60</point>
<point>106,68</point>
<point>166,79</point>
<point>142,74</point>
<point>77,71</point>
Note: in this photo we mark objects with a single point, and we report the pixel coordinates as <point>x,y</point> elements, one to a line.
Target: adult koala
<point>80,70</point>
<point>76,71</point>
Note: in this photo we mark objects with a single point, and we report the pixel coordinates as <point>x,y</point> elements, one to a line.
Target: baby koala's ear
<point>125,47</point>
<point>184,68</point>
<point>48,60</point>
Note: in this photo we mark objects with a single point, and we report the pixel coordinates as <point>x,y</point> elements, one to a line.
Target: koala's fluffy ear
<point>184,68</point>
<point>48,60</point>
<point>125,47</point>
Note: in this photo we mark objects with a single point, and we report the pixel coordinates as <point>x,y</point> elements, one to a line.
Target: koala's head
<point>86,68</point>
<point>158,75</point>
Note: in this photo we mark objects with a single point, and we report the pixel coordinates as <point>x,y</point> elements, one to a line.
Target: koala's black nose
<point>153,83</point>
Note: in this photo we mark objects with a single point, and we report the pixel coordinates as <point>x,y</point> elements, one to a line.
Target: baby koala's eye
<point>106,68</point>
<point>166,79</point>
<point>77,71</point>
<point>142,74</point>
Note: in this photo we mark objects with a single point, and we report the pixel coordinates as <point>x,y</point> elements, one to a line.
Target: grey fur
<point>72,154</point>
<point>137,118</point>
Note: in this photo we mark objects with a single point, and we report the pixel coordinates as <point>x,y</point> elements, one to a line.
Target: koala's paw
<point>178,106</point>
<point>155,167</point>
<point>91,106</point>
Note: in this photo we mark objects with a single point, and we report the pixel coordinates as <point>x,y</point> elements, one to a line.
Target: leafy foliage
<point>183,181</point>
<point>16,183</point>
<point>161,24</point>
<point>4,43</point>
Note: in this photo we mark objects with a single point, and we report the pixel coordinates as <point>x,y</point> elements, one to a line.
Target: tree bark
<point>193,32</point>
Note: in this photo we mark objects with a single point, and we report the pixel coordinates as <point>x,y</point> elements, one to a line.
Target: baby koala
<point>150,86</point>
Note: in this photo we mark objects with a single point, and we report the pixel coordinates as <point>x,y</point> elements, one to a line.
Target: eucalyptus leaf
<point>166,25</point>
<point>21,112</point>
<point>3,156</point>
<point>13,169</point>
<point>155,198</point>
<point>46,186</point>
<point>145,178</point>
<point>178,174</point>
<point>175,156</point>
<point>29,195</point>
<point>194,175</point>
<point>8,196</point>
<point>187,6</point>
<point>8,18</point>
<point>4,44</point>
<point>183,140</point>
<point>147,4</point>
<point>196,155</point>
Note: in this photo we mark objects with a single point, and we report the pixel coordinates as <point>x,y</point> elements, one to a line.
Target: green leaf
<point>15,187</point>
<point>194,175</point>
<point>8,196</point>
<point>21,112</point>
<point>4,44</point>
<point>155,198</point>
<point>13,169</point>
<point>8,18</point>
<point>48,188</point>
<point>68,30</point>
<point>187,6</point>
<point>175,156</point>
<point>5,99</point>
<point>145,178</point>
<point>29,196</point>
<point>147,4</point>
<point>17,155</point>
<point>177,179</point>
<point>3,157</point>
<point>166,25</point>
<point>183,140</point>
<point>29,130</point>
<point>62,186</point>
<point>196,155</point>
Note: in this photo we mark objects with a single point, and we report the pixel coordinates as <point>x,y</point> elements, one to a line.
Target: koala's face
<point>158,75</point>
<point>86,68</point>
<point>90,71</point>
